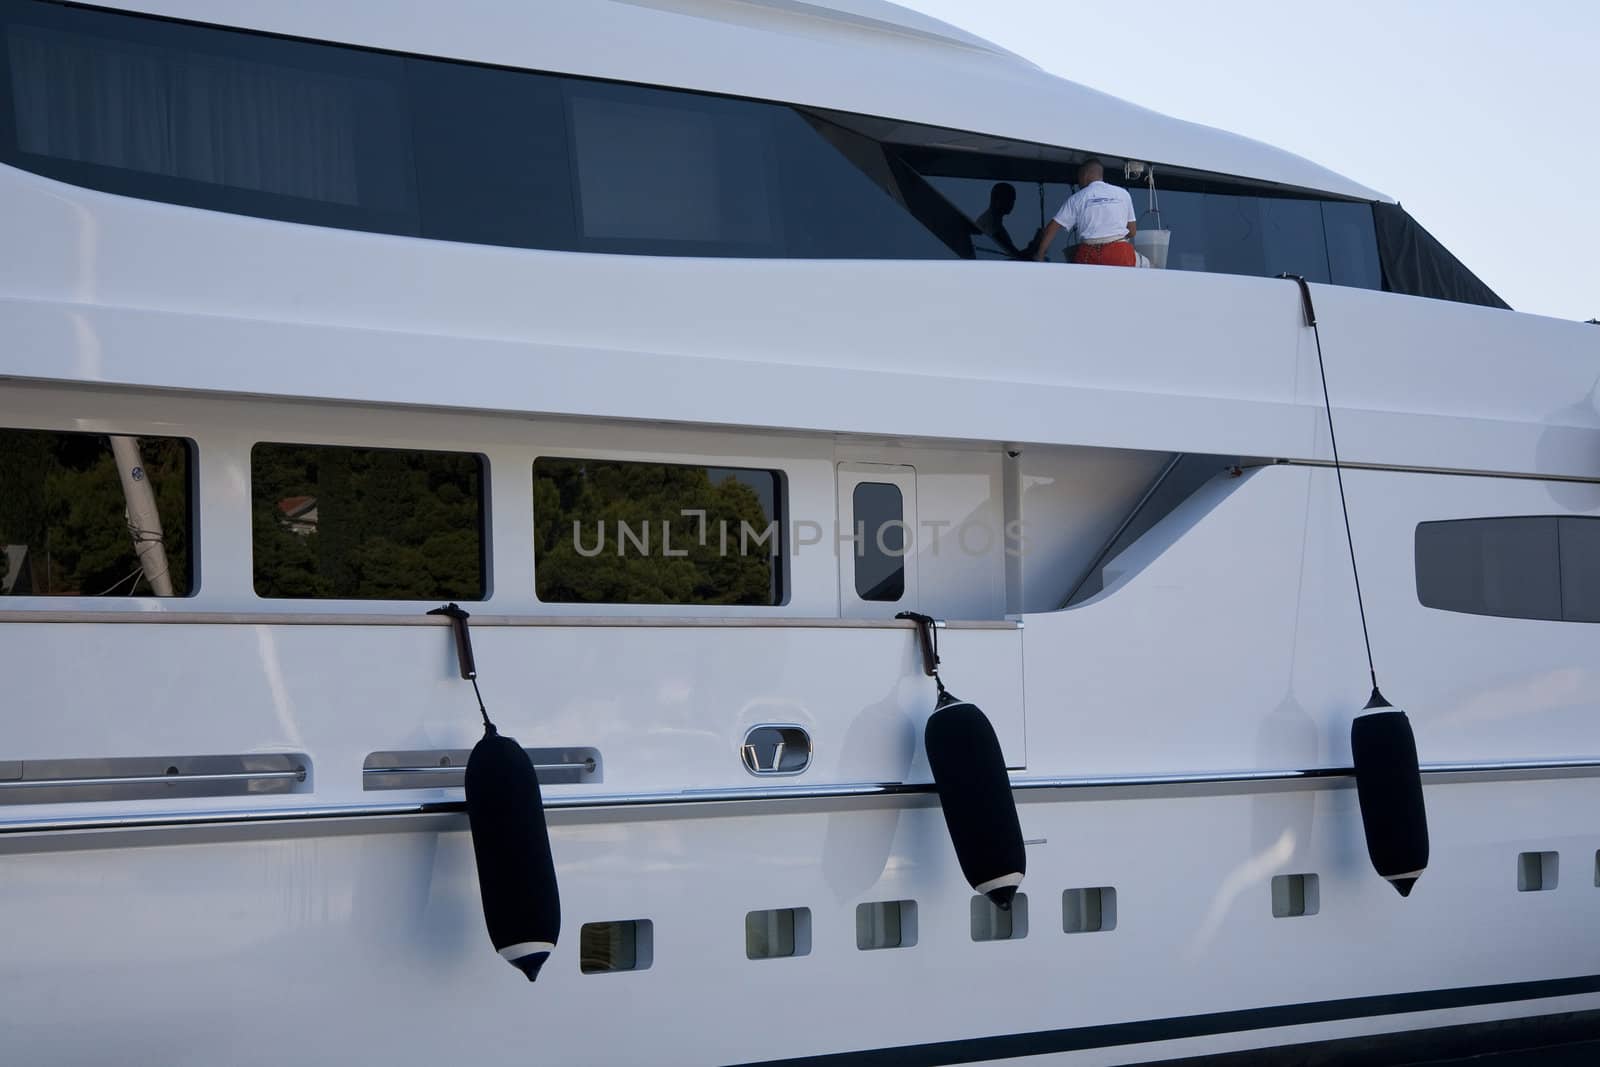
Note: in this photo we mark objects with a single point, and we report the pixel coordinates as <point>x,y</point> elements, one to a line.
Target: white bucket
<point>1152,244</point>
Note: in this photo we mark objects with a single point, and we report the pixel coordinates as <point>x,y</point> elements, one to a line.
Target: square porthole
<point>1537,871</point>
<point>886,924</point>
<point>778,933</point>
<point>604,948</point>
<point>1294,895</point>
<point>989,923</point>
<point>1088,911</point>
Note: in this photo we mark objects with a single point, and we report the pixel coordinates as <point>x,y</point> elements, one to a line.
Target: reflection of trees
<point>600,495</point>
<point>61,497</point>
<point>390,524</point>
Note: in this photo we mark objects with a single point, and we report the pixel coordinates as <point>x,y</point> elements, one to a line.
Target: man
<point>1103,216</point>
<point>992,223</point>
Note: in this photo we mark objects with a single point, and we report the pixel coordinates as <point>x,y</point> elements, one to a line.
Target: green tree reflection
<point>366,523</point>
<point>61,500</point>
<point>648,498</point>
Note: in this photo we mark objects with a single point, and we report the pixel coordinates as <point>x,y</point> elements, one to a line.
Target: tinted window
<point>1533,567</point>
<point>1236,234</point>
<point>998,233</point>
<point>367,523</point>
<point>492,155</point>
<point>1580,568</point>
<point>344,137</point>
<point>655,166</point>
<point>1352,245</point>
<point>220,120</point>
<point>880,546</point>
<point>609,532</point>
<point>86,515</point>
<point>845,197</point>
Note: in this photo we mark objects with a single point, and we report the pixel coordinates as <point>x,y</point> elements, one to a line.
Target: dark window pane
<point>1500,566</point>
<point>1232,234</point>
<point>1352,245</point>
<point>880,548</point>
<point>1292,239</point>
<point>87,515</point>
<point>1187,216</point>
<point>367,523</point>
<point>1001,233</point>
<point>656,168</point>
<point>1580,569</point>
<point>221,120</point>
<point>843,198</point>
<point>608,532</point>
<point>492,163</point>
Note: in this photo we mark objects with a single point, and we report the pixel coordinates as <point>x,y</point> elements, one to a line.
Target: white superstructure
<point>221,837</point>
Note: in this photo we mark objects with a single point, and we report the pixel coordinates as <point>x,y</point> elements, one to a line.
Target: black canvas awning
<point>1415,263</point>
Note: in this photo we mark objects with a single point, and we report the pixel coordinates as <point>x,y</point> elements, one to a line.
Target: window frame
<point>192,513</point>
<point>484,525</point>
<point>848,475</point>
<point>1565,615</point>
<point>782,577</point>
<point>223,42</point>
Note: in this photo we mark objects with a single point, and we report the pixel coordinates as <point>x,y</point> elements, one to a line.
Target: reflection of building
<point>298,514</point>
<point>14,575</point>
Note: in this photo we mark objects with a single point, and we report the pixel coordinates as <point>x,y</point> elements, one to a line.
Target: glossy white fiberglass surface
<point>371,948</point>
<point>666,707</point>
<point>110,290</point>
<point>1228,636</point>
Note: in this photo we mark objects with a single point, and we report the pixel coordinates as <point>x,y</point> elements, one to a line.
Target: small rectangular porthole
<point>989,923</point>
<point>1088,911</point>
<point>777,933</point>
<point>604,948</point>
<point>1537,871</point>
<point>886,924</point>
<point>1294,895</point>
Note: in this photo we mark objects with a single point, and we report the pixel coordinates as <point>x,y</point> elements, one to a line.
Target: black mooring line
<point>1338,471</point>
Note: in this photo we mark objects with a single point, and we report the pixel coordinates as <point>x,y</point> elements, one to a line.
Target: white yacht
<point>685,344</point>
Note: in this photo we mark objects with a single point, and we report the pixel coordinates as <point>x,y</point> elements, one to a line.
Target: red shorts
<point>1111,254</point>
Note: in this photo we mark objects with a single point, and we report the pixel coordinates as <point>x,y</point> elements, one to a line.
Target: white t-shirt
<point>1097,211</point>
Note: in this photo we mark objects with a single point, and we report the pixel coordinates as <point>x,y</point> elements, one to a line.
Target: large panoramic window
<point>91,515</point>
<point>612,532</point>
<point>346,137</point>
<point>221,120</point>
<point>367,523</point>
<point>1213,225</point>
<point>1523,567</point>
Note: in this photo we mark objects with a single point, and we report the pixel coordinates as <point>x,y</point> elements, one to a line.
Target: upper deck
<point>140,260</point>
<point>867,57</point>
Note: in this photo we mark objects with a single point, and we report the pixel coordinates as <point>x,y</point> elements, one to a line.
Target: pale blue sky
<point>1482,117</point>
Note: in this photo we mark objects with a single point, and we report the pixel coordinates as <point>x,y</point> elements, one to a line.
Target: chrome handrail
<point>586,766</point>
<point>298,774</point>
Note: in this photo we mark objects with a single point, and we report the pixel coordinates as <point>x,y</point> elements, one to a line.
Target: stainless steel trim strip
<point>138,613</point>
<point>1314,777</point>
<point>586,766</point>
<point>298,775</point>
<point>1454,472</point>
